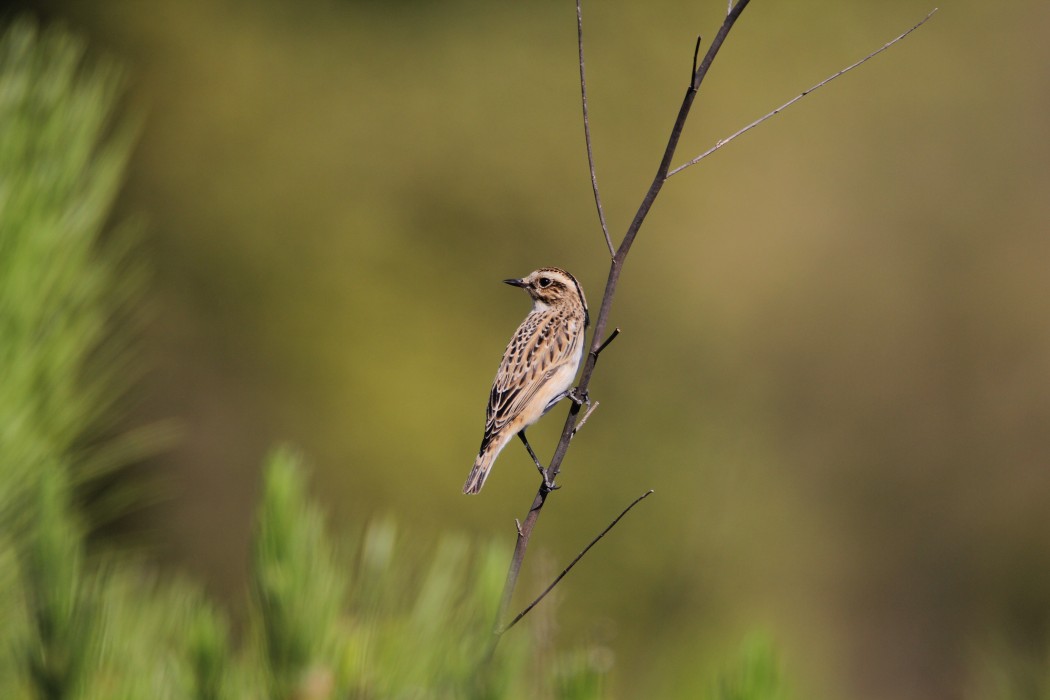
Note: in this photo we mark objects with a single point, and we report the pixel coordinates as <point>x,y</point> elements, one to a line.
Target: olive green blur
<point>834,369</point>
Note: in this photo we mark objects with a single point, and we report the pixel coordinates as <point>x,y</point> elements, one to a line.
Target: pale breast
<point>539,364</point>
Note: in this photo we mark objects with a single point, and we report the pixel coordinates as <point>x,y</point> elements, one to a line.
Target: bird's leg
<point>554,402</point>
<point>532,454</point>
<point>543,471</point>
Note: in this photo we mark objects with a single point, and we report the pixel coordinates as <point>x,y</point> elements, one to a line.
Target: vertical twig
<point>587,131</point>
<point>520,546</point>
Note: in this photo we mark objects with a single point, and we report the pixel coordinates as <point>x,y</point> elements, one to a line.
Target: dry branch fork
<point>619,255</point>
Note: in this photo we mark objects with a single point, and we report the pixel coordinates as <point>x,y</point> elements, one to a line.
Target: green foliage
<point>297,590</point>
<point>389,619</point>
<point>64,364</point>
<point>63,286</point>
<point>756,675</point>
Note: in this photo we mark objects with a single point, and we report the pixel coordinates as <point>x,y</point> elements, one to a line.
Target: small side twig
<point>605,343</point>
<point>586,415</point>
<point>587,132</point>
<point>573,563</point>
<point>795,99</point>
<point>696,57</point>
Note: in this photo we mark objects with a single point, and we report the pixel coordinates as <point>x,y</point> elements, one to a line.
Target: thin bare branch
<point>795,99</point>
<point>573,563</point>
<point>520,547</point>
<point>615,267</point>
<point>587,131</point>
<point>600,348</point>
<point>572,420</point>
<point>590,410</point>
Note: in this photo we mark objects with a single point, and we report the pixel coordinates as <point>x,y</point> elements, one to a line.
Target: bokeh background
<point>835,362</point>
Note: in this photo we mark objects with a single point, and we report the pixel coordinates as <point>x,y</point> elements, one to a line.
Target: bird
<point>538,366</point>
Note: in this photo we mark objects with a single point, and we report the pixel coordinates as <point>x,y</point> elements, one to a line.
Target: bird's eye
<point>545,282</point>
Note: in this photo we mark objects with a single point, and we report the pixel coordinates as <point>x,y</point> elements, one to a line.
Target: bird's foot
<point>548,482</point>
<point>579,397</point>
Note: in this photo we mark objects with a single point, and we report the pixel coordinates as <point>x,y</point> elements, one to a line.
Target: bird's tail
<point>480,472</point>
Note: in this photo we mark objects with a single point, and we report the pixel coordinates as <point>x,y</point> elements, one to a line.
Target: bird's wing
<point>541,345</point>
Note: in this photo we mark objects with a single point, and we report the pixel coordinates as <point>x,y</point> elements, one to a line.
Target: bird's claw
<point>548,483</point>
<point>580,397</point>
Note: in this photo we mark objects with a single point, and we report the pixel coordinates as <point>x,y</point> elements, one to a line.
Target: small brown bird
<point>538,366</point>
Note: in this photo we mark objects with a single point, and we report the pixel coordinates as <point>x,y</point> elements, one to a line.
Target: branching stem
<point>619,256</point>
<point>579,556</point>
<point>796,98</point>
<point>615,267</point>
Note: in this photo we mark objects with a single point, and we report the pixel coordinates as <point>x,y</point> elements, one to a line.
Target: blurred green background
<point>835,364</point>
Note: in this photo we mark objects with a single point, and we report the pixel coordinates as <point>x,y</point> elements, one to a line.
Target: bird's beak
<point>515,283</point>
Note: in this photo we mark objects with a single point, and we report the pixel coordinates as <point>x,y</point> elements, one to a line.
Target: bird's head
<point>552,286</point>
